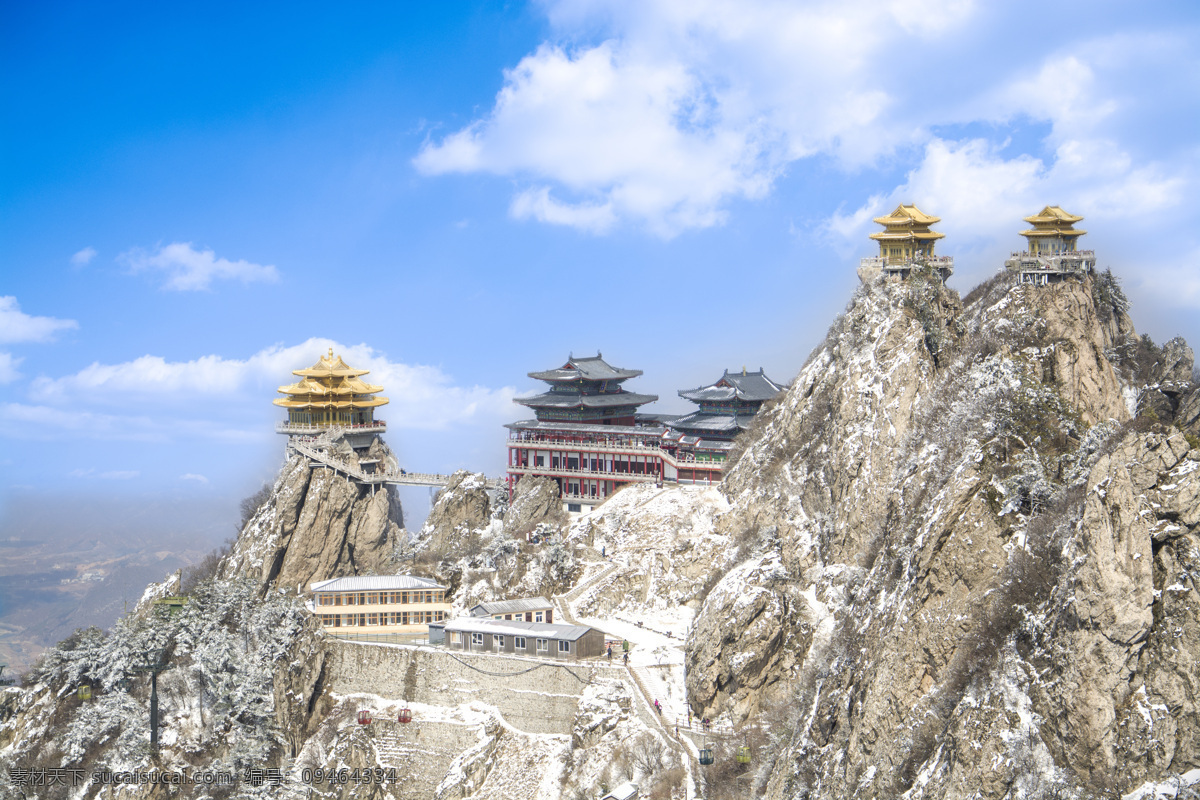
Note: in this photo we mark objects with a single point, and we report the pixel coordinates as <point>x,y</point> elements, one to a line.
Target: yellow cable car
<point>85,693</point>
<point>743,755</point>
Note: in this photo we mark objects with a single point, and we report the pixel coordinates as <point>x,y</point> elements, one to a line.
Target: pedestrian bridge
<point>316,449</point>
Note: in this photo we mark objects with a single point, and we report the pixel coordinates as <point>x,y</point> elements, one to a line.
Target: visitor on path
<point>627,658</point>
<point>610,652</point>
<point>658,707</point>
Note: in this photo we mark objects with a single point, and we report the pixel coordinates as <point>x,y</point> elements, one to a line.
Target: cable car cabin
<point>85,693</point>
<point>405,716</point>
<point>706,756</point>
<point>364,717</point>
<point>743,755</point>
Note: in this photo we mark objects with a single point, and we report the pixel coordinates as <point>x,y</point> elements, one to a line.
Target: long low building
<point>526,609</point>
<point>379,604</point>
<point>546,640</point>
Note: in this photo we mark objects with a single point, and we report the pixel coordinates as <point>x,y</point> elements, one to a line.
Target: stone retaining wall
<point>532,695</point>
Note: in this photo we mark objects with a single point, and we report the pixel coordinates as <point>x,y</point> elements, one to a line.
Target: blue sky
<point>195,200</point>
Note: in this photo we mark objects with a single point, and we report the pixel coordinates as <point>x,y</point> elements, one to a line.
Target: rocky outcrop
<point>462,508</point>
<point>317,524</point>
<point>972,570</point>
<point>535,501</point>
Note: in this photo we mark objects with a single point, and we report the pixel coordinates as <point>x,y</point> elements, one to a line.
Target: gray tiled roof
<point>749,386</point>
<point>723,423</point>
<point>586,369</point>
<point>511,606</point>
<point>534,425</point>
<point>572,400</point>
<point>374,583</point>
<point>506,627</point>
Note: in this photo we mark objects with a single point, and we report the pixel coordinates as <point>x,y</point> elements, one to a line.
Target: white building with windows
<point>521,609</point>
<point>541,639</point>
<point>378,604</point>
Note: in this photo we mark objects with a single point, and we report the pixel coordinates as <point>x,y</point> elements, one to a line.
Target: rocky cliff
<point>317,524</point>
<point>972,571</point>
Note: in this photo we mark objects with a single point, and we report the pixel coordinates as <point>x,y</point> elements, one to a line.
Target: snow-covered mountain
<point>958,558</point>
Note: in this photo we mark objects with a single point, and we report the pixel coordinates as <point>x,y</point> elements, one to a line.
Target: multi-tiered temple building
<point>906,243</point>
<point>331,397</point>
<point>1051,253</point>
<point>591,439</point>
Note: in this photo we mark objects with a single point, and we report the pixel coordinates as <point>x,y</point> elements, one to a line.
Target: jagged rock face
<point>535,501</point>
<point>315,525</point>
<point>462,508</point>
<point>961,569</point>
<point>663,545</point>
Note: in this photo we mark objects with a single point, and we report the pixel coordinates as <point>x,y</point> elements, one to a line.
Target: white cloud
<point>422,397</point>
<point>49,423</point>
<point>683,107</point>
<point>189,269</point>
<point>17,326</point>
<point>686,107</point>
<point>83,257</point>
<point>8,367</point>
<point>191,476</point>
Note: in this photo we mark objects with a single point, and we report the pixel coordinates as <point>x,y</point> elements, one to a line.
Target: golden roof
<point>330,383</point>
<point>330,366</point>
<point>907,222</point>
<point>1052,215</point>
<point>1052,221</point>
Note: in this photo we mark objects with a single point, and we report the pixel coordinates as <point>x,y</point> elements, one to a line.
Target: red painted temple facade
<point>591,438</point>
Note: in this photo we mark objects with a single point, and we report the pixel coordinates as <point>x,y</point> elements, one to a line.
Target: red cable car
<point>405,716</point>
<point>364,717</point>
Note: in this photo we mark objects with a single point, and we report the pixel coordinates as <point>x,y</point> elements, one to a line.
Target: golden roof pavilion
<point>1053,231</point>
<point>906,234</point>
<point>329,394</point>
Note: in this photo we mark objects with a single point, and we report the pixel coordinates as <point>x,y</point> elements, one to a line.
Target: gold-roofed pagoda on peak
<point>1052,253</point>
<point>906,234</point>
<point>1053,231</point>
<point>906,242</point>
<point>330,394</point>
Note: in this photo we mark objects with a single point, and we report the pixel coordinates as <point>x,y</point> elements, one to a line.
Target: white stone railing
<point>378,426</point>
<point>941,262</point>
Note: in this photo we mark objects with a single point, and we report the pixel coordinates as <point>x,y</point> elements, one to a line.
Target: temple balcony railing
<point>379,426</point>
<point>1067,261</point>
<point>591,447</point>
<point>880,262</point>
<point>565,472</point>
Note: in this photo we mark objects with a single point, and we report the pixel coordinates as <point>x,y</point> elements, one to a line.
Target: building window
<point>542,645</point>
<point>441,616</point>
<point>539,461</point>
<point>373,598</point>
<point>372,619</point>
<point>327,619</point>
<point>362,598</point>
<point>404,597</point>
<point>574,508</point>
<point>350,599</point>
<point>498,616</point>
<point>499,641</point>
<point>564,646</point>
<point>537,616</point>
<point>403,617</point>
<point>519,642</point>
<point>455,637</point>
<point>337,599</point>
<point>350,620</point>
<point>477,640</point>
<point>325,600</point>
